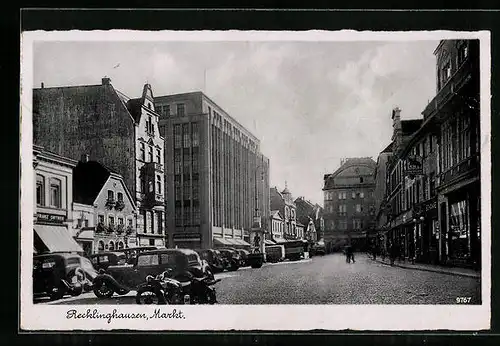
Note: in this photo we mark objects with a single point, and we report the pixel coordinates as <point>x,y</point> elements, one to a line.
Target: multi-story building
<point>308,214</point>
<point>283,202</point>
<point>217,179</point>
<point>105,214</point>
<point>277,227</point>
<point>119,132</point>
<point>399,190</point>
<point>53,199</point>
<point>349,203</point>
<point>455,113</point>
<point>380,191</point>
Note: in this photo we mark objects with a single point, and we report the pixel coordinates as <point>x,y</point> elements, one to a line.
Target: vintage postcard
<point>232,180</point>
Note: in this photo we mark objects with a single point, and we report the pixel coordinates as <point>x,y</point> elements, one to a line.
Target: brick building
<point>349,203</point>
<point>217,179</point>
<point>101,122</point>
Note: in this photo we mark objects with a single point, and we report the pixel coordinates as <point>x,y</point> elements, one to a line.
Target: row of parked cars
<point>59,274</point>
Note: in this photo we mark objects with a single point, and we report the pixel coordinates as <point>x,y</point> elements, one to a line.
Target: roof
<point>134,107</point>
<point>388,149</point>
<point>276,213</point>
<point>88,180</point>
<point>354,161</point>
<point>410,126</point>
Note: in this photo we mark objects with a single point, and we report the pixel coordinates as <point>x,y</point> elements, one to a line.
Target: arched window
<point>120,245</point>
<point>100,246</point>
<point>111,246</point>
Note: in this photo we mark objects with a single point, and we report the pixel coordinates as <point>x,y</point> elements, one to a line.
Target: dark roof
<point>88,180</point>
<point>388,149</point>
<point>134,108</point>
<point>410,126</point>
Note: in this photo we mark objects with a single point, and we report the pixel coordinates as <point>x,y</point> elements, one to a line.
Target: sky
<point>310,103</point>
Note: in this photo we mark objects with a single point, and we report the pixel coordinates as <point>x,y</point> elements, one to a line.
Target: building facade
<point>217,180</point>
<point>455,112</point>
<point>349,203</point>
<point>105,213</point>
<point>283,202</point>
<point>308,214</point>
<point>277,226</point>
<point>53,199</point>
<point>121,133</point>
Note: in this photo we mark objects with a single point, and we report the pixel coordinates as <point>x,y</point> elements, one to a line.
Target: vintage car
<point>183,264</point>
<point>232,257</point>
<point>275,253</point>
<point>132,252</point>
<point>59,274</point>
<point>214,259</point>
<point>105,259</point>
<point>245,262</point>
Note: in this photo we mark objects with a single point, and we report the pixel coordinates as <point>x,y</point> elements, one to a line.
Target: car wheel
<point>102,289</point>
<point>57,293</point>
<point>148,296</point>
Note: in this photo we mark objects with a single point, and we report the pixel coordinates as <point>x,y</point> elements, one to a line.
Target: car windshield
<point>147,260</point>
<point>193,258</point>
<point>73,261</point>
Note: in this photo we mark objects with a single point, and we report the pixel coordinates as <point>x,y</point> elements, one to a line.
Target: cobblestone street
<point>329,280</point>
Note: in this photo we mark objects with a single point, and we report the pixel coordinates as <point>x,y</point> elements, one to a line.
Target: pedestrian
<point>350,254</point>
<point>411,252</point>
<point>374,251</point>
<point>392,252</point>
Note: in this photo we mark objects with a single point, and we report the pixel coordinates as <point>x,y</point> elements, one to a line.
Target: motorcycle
<point>162,289</point>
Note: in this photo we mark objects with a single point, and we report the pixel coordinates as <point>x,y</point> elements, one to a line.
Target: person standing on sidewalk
<point>392,252</point>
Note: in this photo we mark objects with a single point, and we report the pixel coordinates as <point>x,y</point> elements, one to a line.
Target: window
<point>177,162</point>
<point>178,188</point>
<point>196,215</point>
<point>361,179</point>
<point>120,220</point>
<point>361,195</point>
<point>342,209</point>
<point>195,134</point>
<point>166,110</point>
<point>111,109</point>
<point>111,195</point>
<point>147,260</point>
<point>186,136</point>
<point>158,184</point>
<point>40,189</point>
<point>196,190</point>
<point>187,188</point>
<point>177,136</point>
<point>151,242</point>
<point>55,193</point>
<point>358,208</point>
<point>86,223</point>
<point>143,152</point>
<point>178,216</point>
<point>111,220</point>
<point>353,195</point>
<point>463,52</point>
<point>186,161</point>
<point>100,219</point>
<point>159,217</point>
<point>194,165</point>
<point>180,110</point>
<point>143,185</point>
<point>340,195</point>
<point>187,215</point>
<point>158,155</point>
<point>130,222</point>
<point>120,197</point>
<point>150,154</point>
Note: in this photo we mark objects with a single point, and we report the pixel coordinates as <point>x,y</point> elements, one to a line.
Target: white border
<point>241,317</point>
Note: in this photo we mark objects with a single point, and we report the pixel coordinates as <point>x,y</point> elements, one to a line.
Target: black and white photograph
<point>255,180</point>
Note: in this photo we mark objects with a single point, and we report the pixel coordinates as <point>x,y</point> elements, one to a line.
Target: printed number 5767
<point>463,300</point>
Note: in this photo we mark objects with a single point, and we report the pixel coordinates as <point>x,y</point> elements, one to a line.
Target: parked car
<point>184,264</point>
<point>233,258</point>
<point>244,258</point>
<point>105,259</point>
<point>132,252</point>
<point>214,259</point>
<point>318,249</point>
<point>59,274</point>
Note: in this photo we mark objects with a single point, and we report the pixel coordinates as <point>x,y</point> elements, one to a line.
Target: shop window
<point>40,190</point>
<point>55,193</point>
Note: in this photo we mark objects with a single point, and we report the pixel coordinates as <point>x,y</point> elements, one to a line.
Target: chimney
<point>42,85</point>
<point>85,158</point>
<point>106,81</point>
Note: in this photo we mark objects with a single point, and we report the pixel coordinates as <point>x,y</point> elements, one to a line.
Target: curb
<point>434,270</point>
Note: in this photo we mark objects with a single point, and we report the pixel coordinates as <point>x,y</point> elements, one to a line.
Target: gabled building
<point>309,215</point>
<point>104,211</point>
<point>283,202</point>
<point>277,226</point>
<point>349,203</point>
<point>121,133</point>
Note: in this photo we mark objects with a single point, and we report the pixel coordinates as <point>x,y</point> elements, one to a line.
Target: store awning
<point>280,241</point>
<point>269,242</point>
<point>222,241</point>
<point>241,242</point>
<point>87,234</point>
<point>57,238</point>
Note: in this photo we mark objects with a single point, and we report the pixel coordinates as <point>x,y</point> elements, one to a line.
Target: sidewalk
<point>432,268</point>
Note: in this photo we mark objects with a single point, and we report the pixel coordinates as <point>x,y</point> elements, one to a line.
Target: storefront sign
<point>191,236</point>
<point>54,218</point>
<point>414,166</point>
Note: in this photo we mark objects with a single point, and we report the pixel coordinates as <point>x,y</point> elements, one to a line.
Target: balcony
<point>110,203</point>
<point>150,168</point>
<point>452,86</point>
<point>468,166</point>
<point>151,199</point>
